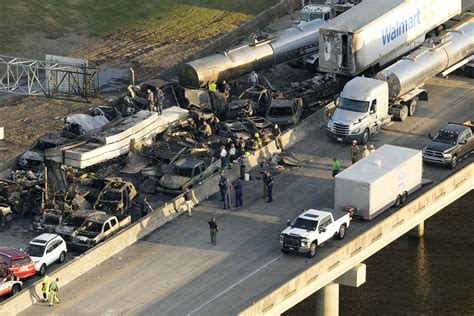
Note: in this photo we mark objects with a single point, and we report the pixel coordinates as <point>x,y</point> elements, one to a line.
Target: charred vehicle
<point>73,221</point>
<point>186,173</point>
<point>116,197</point>
<point>285,112</point>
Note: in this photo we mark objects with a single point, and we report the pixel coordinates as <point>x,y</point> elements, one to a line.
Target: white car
<point>45,250</point>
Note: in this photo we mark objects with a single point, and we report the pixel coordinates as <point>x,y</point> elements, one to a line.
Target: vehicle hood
<point>65,230</point>
<point>173,182</point>
<point>440,147</point>
<point>296,232</point>
<point>281,119</point>
<point>347,117</point>
<point>35,259</point>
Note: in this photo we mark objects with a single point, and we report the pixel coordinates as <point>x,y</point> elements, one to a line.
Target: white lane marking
<point>234,285</point>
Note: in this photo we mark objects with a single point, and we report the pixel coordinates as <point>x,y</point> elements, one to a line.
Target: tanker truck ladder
<point>57,77</point>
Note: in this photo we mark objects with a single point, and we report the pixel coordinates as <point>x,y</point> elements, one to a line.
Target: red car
<point>18,261</point>
<point>8,283</point>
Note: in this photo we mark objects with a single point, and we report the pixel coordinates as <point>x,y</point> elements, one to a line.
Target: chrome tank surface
<point>413,71</point>
<point>290,44</point>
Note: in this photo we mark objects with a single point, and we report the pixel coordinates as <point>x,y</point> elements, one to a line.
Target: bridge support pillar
<point>418,230</point>
<point>327,299</point>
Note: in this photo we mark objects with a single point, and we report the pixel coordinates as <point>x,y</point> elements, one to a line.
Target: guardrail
<point>364,245</point>
<point>95,256</point>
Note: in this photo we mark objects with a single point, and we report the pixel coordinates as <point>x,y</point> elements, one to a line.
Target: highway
<point>176,271</point>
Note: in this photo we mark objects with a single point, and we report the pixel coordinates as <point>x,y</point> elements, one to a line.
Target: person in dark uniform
<point>238,193</point>
<point>213,229</point>
<point>269,183</point>
<point>222,181</point>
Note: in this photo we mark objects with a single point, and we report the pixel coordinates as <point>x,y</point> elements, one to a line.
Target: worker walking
<point>213,230</point>
<point>238,193</point>
<point>253,78</point>
<point>188,202</point>
<point>354,152</point>
<point>365,152</point>
<point>45,288</point>
<point>269,187</point>
<point>336,166</point>
<point>54,289</point>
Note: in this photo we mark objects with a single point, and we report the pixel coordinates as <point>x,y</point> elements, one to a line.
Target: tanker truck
<point>374,33</point>
<point>366,104</point>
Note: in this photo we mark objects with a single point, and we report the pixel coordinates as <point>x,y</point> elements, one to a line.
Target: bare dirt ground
<point>148,50</point>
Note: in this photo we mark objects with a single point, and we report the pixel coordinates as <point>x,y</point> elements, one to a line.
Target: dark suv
<point>450,144</point>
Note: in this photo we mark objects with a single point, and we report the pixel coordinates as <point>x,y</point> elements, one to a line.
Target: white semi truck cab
<point>362,110</point>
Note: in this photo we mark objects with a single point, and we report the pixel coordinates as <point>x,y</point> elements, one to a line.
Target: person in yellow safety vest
<point>258,140</point>
<point>212,86</point>
<point>45,288</point>
<point>265,139</point>
<point>54,289</point>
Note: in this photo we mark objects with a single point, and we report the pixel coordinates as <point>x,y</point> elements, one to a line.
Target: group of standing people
<point>225,187</point>
<point>357,154</point>
<point>155,98</point>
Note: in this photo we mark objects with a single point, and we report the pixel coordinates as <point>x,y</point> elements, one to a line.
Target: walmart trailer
<point>379,181</point>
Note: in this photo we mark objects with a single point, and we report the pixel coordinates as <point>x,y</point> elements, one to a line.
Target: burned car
<point>116,197</point>
<point>285,112</point>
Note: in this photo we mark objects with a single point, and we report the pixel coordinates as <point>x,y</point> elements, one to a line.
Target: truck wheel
<point>62,257</point>
<point>312,250</point>
<point>398,201</point>
<point>403,115</point>
<point>284,250</point>
<point>404,197</point>
<point>9,218</point>
<point>469,71</point>
<point>412,107</point>
<point>454,162</point>
<point>365,137</point>
<point>16,289</point>
<point>342,232</point>
<point>42,270</point>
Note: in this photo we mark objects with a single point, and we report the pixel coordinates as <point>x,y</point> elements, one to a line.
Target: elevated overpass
<point>176,271</point>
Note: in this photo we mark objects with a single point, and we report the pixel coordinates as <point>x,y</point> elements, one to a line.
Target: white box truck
<point>376,32</point>
<point>379,181</point>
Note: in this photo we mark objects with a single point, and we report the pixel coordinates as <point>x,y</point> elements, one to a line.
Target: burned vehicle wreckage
<point>100,167</point>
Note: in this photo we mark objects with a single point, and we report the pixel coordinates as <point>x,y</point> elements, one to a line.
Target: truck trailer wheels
<point>312,250</point>
<point>412,107</point>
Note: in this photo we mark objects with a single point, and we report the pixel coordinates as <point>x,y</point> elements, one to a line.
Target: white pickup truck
<point>312,228</point>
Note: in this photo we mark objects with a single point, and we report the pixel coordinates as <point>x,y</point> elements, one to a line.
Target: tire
<point>404,197</point>
<point>398,201</point>
<point>62,257</point>
<point>469,71</point>
<point>312,250</point>
<point>454,162</point>
<point>284,250</point>
<point>16,289</point>
<point>412,105</point>
<point>9,218</point>
<point>342,232</point>
<point>365,137</point>
<point>403,113</point>
<point>42,270</point>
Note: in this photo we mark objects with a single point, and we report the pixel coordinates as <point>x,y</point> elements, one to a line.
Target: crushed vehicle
<point>260,95</point>
<point>9,284</point>
<point>234,130</point>
<point>73,221</point>
<point>311,229</point>
<point>186,173</point>
<point>450,145</point>
<point>33,158</point>
<point>6,214</point>
<point>17,261</point>
<point>97,228</point>
<point>116,197</point>
<point>260,125</point>
<point>285,112</point>
<point>46,249</point>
